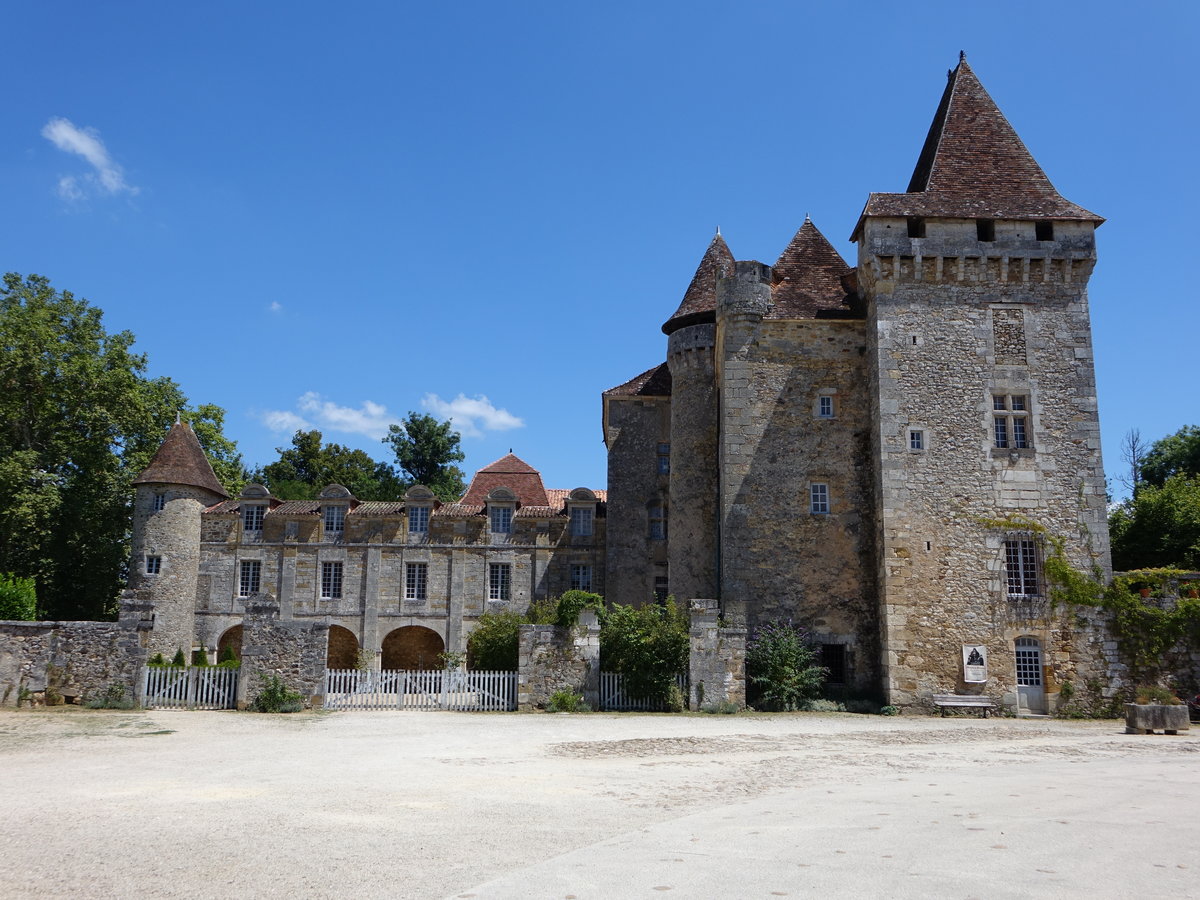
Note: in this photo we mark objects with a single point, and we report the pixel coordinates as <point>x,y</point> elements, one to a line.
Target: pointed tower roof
<point>654,382</point>
<point>512,472</point>
<point>808,279</point>
<point>973,165</point>
<point>180,460</point>
<point>700,301</point>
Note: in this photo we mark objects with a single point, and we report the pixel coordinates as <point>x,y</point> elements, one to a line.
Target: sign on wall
<point>974,663</point>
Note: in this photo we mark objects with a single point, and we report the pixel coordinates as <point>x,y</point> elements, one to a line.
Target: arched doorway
<point>412,647</point>
<point>343,648</point>
<point>1031,692</point>
<point>232,638</point>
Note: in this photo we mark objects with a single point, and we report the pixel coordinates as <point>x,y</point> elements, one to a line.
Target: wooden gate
<point>194,687</point>
<point>405,689</point>
<point>613,697</point>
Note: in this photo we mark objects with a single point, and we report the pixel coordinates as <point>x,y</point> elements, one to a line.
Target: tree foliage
<point>1176,454</point>
<point>648,645</point>
<point>208,422</point>
<point>782,671</point>
<point>18,598</point>
<point>1159,526</point>
<point>309,465</point>
<point>426,451</point>
<point>493,644</point>
<point>79,418</point>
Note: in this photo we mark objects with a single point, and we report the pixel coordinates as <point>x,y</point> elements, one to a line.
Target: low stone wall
<point>293,650</point>
<point>77,659</point>
<point>717,658</point>
<point>552,658</point>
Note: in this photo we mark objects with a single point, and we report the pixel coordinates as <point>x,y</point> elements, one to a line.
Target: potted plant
<point>1155,709</point>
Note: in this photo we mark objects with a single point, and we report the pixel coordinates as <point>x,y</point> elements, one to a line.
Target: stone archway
<point>412,647</point>
<point>343,648</point>
<point>231,638</point>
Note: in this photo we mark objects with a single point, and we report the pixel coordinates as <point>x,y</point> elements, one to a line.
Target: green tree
<point>1159,526</point>
<point>309,465</point>
<point>1176,454</point>
<point>648,645</point>
<point>426,451</point>
<point>18,598</point>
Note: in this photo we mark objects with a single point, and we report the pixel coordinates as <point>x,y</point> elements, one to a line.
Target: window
<point>501,519</point>
<point>331,580</point>
<point>581,521</point>
<point>335,520</point>
<point>985,229</point>
<point>160,502</point>
<point>1044,230</point>
<point>581,578</point>
<point>916,439</point>
<point>833,658</point>
<point>153,565</point>
<point>664,459</point>
<point>1021,568</point>
<point>250,577</point>
<point>1011,422</point>
<point>661,588</point>
<point>825,406</point>
<point>418,519</point>
<point>916,227</point>
<point>416,577</point>
<point>499,581</point>
<point>818,498</point>
<point>252,518</point>
<point>658,522</point>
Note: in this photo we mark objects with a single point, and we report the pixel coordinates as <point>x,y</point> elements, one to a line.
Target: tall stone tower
<point>693,534</point>
<point>986,439</point>
<point>170,496</point>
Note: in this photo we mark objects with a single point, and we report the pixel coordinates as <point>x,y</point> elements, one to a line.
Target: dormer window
<point>500,519</point>
<point>252,517</point>
<point>419,502</point>
<point>581,507</point>
<point>334,518</point>
<point>335,500</point>
<point>418,519</point>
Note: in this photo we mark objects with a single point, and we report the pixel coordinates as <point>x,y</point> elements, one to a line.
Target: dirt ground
<point>464,805</point>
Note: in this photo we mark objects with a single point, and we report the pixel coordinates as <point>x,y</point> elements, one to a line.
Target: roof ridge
<point>699,302</point>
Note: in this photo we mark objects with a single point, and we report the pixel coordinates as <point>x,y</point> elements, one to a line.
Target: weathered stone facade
<point>293,650</point>
<point>78,659</point>
<point>553,658</point>
<point>716,656</point>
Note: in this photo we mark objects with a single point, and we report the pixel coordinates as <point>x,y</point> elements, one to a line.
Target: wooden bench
<point>971,701</point>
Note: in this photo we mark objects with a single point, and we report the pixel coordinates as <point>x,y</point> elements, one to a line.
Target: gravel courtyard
<point>389,804</point>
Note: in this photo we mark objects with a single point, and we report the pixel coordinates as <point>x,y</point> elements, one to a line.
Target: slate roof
<point>700,300</point>
<point>808,279</point>
<point>180,460</point>
<point>973,165</point>
<point>654,382</point>
<point>512,472</point>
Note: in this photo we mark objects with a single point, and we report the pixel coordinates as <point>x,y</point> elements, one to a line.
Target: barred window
<point>499,581</point>
<point>501,519</point>
<point>418,519</point>
<point>581,578</point>
<point>416,577</point>
<point>335,519</point>
<point>331,580</point>
<point>1021,568</point>
<point>250,577</point>
<point>160,502</point>
<point>1010,422</point>
<point>662,588</point>
<point>581,521</point>
<point>819,498</point>
<point>252,518</point>
<point>153,565</point>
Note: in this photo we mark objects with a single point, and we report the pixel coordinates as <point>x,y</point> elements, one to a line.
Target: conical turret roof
<point>700,301</point>
<point>808,278</point>
<point>180,460</point>
<point>973,165</point>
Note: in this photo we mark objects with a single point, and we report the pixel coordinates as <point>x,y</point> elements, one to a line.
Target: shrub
<point>275,697</point>
<point>1152,693</point>
<point>201,658</point>
<point>18,598</point>
<point>648,645</point>
<point>566,701</point>
<point>721,708</point>
<point>228,659</point>
<point>450,660</point>
<point>822,706</point>
<point>889,711</point>
<point>572,603</point>
<point>781,668</point>
<point>114,697</point>
<point>157,660</point>
<point>493,644</point>
<point>179,659</point>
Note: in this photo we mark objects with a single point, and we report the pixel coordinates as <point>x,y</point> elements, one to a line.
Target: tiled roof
<point>225,506</point>
<point>700,300</point>
<point>298,508</point>
<point>808,279</point>
<point>459,510</point>
<point>180,460</point>
<point>511,472</point>
<point>973,165</point>
<point>654,382</point>
<point>378,508</point>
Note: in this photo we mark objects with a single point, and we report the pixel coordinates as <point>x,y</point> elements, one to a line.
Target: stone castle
<point>885,453</point>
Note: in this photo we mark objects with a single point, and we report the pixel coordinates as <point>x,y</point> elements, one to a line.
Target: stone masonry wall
<point>552,658</point>
<point>295,651</point>
<point>80,659</point>
<point>717,656</point>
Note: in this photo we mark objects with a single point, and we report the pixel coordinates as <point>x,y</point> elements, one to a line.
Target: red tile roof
<point>180,460</point>
<point>700,300</point>
<point>808,279</point>
<point>654,382</point>
<point>511,472</point>
<point>974,165</point>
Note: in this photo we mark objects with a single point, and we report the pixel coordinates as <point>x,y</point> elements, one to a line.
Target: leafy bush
<point>493,644</point>
<point>721,708</point>
<point>889,711</point>
<point>275,697</point>
<point>1152,693</point>
<point>449,660</point>
<point>18,598</point>
<point>157,660</point>
<point>648,645</point>
<point>179,659</point>
<point>781,668</point>
<point>572,603</point>
<point>114,697</point>
<point>566,701</point>
<point>227,659</point>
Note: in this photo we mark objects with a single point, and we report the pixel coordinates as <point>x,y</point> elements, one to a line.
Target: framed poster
<point>974,663</point>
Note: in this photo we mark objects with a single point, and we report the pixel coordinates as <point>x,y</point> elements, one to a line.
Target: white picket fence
<point>194,687</point>
<point>612,695</point>
<point>402,689</point>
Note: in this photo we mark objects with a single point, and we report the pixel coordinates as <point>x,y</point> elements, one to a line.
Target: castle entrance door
<point>412,647</point>
<point>1031,692</point>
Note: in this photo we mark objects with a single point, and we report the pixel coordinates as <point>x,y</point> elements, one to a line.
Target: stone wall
<point>717,657</point>
<point>552,658</point>
<point>295,651</point>
<point>79,659</point>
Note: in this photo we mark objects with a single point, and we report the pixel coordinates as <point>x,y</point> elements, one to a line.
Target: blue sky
<point>330,214</point>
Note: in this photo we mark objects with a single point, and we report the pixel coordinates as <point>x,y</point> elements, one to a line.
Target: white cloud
<point>108,177</point>
<point>371,419</point>
<point>284,422</point>
<point>276,306</point>
<point>471,416</point>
